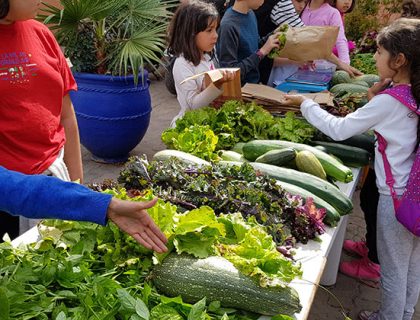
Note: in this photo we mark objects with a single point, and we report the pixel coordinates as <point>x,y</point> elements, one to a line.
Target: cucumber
<point>332,167</point>
<point>365,141</point>
<point>351,156</point>
<point>183,156</point>
<point>229,155</point>
<point>332,217</point>
<point>307,162</point>
<point>278,157</point>
<point>218,280</point>
<point>323,189</point>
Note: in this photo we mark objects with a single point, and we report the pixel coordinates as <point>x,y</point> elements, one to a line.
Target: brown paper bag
<point>231,89</point>
<point>309,43</point>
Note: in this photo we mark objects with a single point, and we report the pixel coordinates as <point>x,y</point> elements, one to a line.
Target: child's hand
<point>271,43</point>
<point>353,72</point>
<point>293,99</point>
<point>378,87</point>
<point>227,76</point>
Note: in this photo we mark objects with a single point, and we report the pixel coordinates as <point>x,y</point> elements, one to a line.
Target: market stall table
<point>319,260</point>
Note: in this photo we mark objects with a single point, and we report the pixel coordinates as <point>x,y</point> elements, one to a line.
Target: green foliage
<point>364,62</point>
<point>234,122</point>
<point>370,15</point>
<point>115,36</point>
<point>226,189</point>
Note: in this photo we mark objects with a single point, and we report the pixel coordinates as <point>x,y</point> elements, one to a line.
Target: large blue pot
<point>112,113</point>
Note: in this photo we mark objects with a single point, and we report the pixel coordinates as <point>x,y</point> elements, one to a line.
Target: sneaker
<point>368,315</point>
<point>357,247</point>
<point>361,269</point>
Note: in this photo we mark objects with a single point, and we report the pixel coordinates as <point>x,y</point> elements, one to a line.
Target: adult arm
<point>43,197</point>
<point>39,197</point>
<point>72,153</point>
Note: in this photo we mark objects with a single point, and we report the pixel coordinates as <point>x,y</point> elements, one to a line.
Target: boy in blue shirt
<point>239,42</point>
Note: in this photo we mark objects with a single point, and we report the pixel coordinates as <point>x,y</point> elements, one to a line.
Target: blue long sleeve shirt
<point>238,43</point>
<point>42,197</point>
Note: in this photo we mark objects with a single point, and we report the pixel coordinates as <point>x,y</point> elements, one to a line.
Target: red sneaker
<point>356,247</point>
<point>361,269</point>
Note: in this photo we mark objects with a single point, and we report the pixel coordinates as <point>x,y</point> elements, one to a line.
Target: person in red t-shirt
<point>37,120</point>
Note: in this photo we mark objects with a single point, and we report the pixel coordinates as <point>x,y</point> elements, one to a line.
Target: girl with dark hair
<point>192,38</point>
<point>344,7</point>
<point>389,114</point>
<point>38,128</point>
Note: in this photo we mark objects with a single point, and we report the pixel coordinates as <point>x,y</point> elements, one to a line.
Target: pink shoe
<point>361,269</point>
<point>357,247</point>
<point>368,315</point>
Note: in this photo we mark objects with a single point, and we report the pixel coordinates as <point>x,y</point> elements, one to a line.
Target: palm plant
<point>116,37</point>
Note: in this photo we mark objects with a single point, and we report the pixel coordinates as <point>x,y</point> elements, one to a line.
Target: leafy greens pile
<point>84,271</point>
<point>234,122</point>
<point>228,189</point>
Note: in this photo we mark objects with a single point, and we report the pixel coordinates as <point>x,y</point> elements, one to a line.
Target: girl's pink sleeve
<point>341,44</point>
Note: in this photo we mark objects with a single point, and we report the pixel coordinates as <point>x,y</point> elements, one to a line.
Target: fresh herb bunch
<point>226,189</point>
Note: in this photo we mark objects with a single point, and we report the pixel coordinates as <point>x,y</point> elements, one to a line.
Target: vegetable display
<point>228,189</point>
<point>85,271</point>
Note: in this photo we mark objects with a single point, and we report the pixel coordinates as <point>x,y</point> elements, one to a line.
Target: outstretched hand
<point>293,99</point>
<point>132,218</point>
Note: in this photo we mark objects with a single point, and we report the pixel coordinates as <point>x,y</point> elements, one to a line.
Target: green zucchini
<point>230,155</point>
<point>278,157</point>
<point>218,280</point>
<point>365,141</point>
<point>183,156</point>
<point>351,156</point>
<point>332,167</point>
<point>323,189</point>
<point>332,217</point>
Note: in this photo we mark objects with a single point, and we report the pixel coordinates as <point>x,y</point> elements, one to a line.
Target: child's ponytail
<point>415,76</point>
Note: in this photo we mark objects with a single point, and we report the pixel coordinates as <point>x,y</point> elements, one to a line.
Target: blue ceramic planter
<point>112,113</point>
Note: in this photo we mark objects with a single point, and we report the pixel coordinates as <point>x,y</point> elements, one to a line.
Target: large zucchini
<point>365,141</point>
<point>218,280</point>
<point>277,157</point>
<point>181,155</point>
<point>317,186</point>
<point>332,217</point>
<point>351,156</point>
<point>332,167</point>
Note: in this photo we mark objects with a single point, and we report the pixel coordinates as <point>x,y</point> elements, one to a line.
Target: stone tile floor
<point>352,294</point>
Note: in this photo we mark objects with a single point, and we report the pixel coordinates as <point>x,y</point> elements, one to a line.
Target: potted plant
<point>109,44</point>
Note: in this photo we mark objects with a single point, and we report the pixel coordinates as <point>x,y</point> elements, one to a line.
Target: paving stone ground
<point>352,294</point>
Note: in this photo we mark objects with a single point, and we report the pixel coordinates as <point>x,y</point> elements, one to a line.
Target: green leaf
<point>61,316</point>
<point>4,304</point>
<point>128,303</point>
<point>198,219</point>
<point>198,310</point>
<point>164,312</point>
<point>142,310</point>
